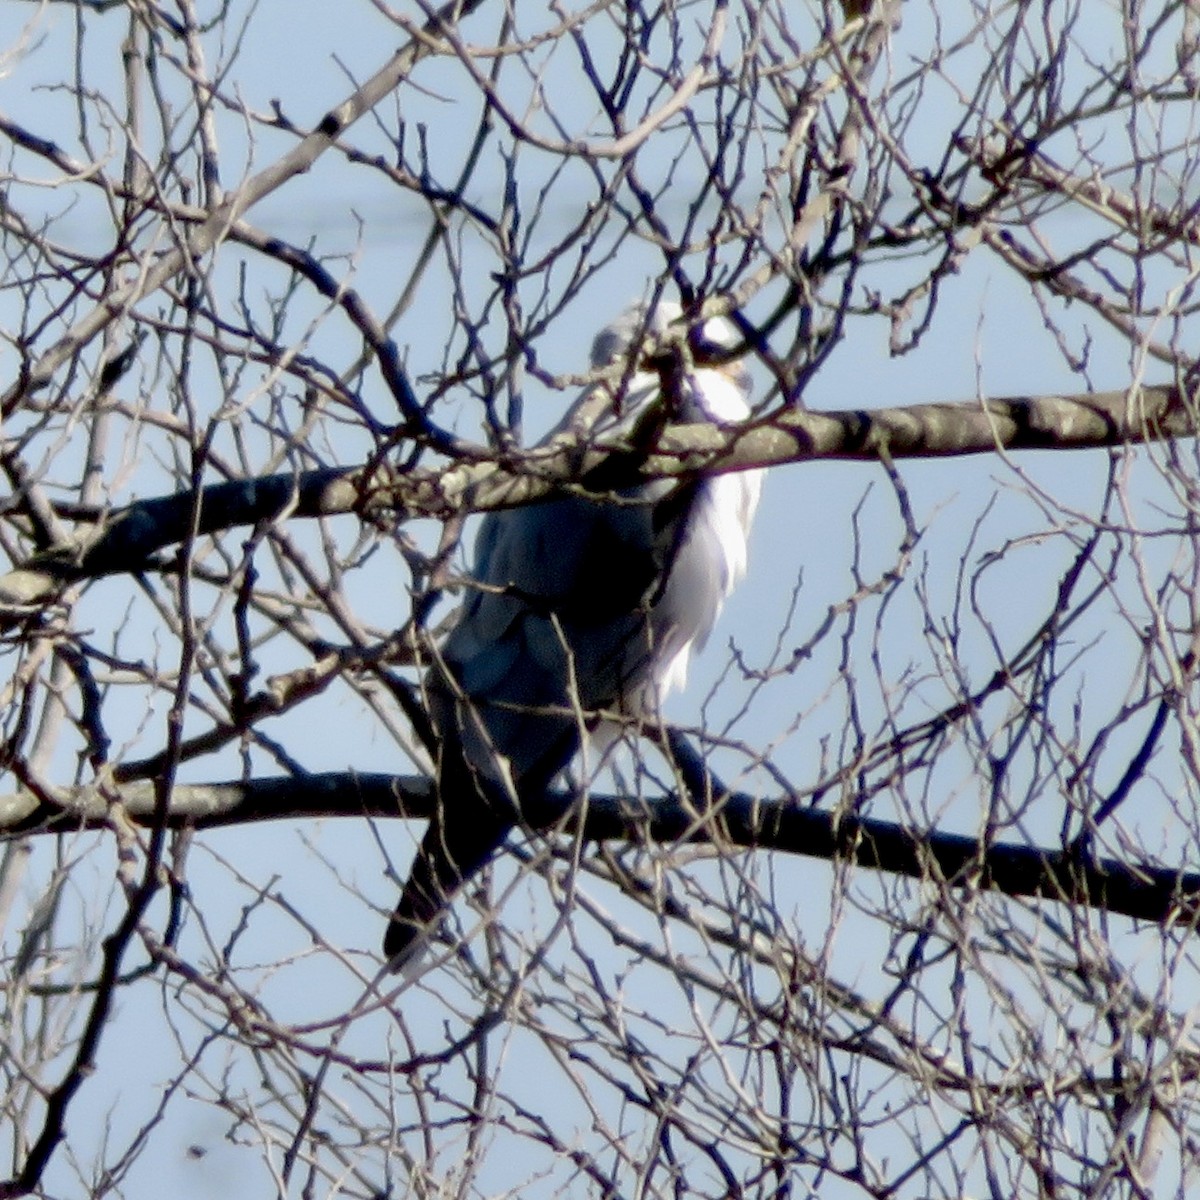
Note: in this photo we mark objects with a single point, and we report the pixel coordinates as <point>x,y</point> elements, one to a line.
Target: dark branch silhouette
<point>1140,890</point>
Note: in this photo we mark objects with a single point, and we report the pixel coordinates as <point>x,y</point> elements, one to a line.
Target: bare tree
<point>904,902</point>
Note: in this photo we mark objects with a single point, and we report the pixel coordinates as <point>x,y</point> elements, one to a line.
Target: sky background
<point>988,339</point>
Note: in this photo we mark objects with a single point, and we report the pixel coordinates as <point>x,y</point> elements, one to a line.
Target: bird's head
<point>641,325</point>
<point>656,334</point>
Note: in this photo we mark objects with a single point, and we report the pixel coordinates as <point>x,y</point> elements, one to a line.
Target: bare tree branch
<point>126,540</point>
<point>207,235</point>
<point>1167,895</point>
<point>934,195</point>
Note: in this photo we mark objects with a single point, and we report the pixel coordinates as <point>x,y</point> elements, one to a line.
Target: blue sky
<point>988,338</point>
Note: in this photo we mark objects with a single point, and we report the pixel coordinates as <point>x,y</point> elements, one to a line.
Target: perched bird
<point>580,605</point>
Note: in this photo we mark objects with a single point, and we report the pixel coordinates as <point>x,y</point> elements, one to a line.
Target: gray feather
<point>582,605</point>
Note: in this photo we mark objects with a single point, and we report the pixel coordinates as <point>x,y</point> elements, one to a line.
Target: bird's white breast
<point>713,551</point>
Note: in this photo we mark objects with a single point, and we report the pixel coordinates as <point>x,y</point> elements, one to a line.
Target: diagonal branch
<point>211,232</point>
<point>130,536</point>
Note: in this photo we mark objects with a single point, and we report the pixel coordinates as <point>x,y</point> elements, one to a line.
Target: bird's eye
<point>706,349</point>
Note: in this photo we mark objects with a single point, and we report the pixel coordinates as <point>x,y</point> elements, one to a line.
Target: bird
<point>581,605</point>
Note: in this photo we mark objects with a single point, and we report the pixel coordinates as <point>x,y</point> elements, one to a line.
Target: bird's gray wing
<point>557,622</point>
<point>560,618</point>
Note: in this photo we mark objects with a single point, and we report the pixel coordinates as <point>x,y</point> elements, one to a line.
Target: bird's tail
<point>451,852</point>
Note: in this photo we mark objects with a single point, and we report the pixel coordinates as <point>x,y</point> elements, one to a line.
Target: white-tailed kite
<point>579,605</point>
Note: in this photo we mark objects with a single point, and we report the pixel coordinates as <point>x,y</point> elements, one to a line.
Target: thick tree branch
<point>1165,895</point>
<point>128,539</point>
